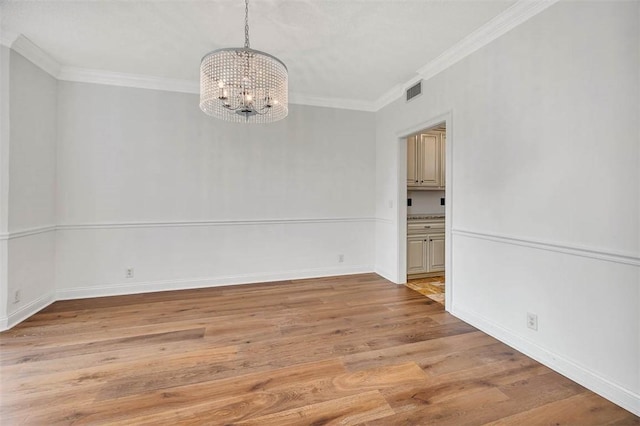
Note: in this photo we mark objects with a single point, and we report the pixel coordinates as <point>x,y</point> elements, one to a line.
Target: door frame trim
<point>401,211</point>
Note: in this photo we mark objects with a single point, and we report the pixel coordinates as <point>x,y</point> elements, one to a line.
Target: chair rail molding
<point>223,222</point>
<point>594,253</point>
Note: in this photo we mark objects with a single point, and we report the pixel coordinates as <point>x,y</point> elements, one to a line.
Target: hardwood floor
<point>432,287</point>
<point>340,350</point>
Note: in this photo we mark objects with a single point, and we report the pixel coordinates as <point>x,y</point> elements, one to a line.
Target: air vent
<point>414,91</point>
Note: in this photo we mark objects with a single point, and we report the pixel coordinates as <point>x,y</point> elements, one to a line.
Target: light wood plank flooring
<point>341,350</point>
<point>432,287</point>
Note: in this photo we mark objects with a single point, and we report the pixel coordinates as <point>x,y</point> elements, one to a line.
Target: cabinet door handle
<point>427,226</point>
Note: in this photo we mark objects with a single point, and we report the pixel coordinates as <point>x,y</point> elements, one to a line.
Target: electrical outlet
<point>532,321</point>
<point>128,273</point>
<point>17,296</point>
<point>340,258</point>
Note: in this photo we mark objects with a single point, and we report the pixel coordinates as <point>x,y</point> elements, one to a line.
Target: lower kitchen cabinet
<point>425,254</point>
<point>416,255</point>
<point>436,253</point>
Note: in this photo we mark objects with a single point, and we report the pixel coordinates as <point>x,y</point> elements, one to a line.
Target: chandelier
<point>242,84</point>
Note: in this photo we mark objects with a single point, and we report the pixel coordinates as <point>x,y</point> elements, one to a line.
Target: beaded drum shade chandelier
<point>242,84</point>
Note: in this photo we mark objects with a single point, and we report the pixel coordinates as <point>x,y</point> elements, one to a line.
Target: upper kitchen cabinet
<point>412,161</point>
<point>425,161</point>
<point>443,162</point>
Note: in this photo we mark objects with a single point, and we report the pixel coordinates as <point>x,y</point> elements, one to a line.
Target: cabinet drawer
<point>414,228</point>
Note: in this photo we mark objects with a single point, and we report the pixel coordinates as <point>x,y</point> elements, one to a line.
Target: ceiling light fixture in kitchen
<point>241,84</point>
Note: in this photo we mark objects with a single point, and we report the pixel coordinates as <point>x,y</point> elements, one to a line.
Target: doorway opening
<point>426,219</point>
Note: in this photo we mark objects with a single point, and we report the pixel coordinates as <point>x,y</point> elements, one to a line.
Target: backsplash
<point>425,202</point>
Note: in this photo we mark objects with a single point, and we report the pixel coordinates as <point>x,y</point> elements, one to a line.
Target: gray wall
<point>31,190</point>
<point>5,84</point>
<point>545,214</point>
<point>146,180</point>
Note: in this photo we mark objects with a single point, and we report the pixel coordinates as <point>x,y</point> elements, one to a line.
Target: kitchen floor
<point>432,287</point>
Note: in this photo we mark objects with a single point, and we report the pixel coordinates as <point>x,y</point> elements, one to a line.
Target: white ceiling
<point>336,50</point>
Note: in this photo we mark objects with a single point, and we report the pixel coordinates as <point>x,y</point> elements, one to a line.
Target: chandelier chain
<point>246,24</point>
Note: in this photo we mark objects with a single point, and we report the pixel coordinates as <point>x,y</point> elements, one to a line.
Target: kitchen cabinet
<point>425,254</point>
<point>416,255</point>
<point>425,248</point>
<point>443,156</point>
<point>425,160</point>
<point>435,261</point>
<point>412,161</point>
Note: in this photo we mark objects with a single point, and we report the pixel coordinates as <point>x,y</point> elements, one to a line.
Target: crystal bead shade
<point>243,85</point>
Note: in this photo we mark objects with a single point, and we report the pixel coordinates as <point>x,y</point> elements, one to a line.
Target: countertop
<point>425,216</point>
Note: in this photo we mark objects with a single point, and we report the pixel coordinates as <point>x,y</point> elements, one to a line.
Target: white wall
<point>146,180</point>
<point>5,84</point>
<point>32,149</point>
<point>544,195</point>
<point>30,206</point>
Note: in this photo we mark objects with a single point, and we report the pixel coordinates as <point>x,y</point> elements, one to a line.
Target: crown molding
<point>507,20</point>
<point>395,92</point>
<point>84,75</point>
<point>35,54</point>
<point>501,24</point>
<point>341,103</point>
<point>389,96</point>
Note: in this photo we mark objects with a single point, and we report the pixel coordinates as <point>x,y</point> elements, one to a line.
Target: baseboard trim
<point>615,393</point>
<point>386,275</point>
<point>119,289</point>
<point>26,311</point>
